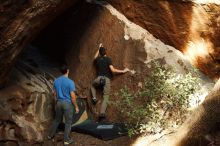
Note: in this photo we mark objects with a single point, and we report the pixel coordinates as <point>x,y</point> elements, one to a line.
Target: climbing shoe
<point>50,137</point>
<point>67,142</point>
<point>94,100</point>
<point>102,118</point>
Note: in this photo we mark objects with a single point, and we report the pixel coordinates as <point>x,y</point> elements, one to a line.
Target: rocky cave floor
<point>87,140</point>
<point>81,140</point>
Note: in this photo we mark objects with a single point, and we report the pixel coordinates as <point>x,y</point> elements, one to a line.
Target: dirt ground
<point>84,140</point>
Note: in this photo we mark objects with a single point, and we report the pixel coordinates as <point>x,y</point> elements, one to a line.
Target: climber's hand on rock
<point>100,45</point>
<point>132,71</point>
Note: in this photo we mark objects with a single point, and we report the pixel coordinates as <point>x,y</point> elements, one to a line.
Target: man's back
<point>63,86</point>
<point>102,65</point>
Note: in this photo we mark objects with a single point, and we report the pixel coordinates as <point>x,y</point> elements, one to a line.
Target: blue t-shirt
<point>63,86</point>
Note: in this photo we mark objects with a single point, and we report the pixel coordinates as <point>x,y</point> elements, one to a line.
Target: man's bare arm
<point>97,52</point>
<point>73,98</point>
<point>54,94</point>
<point>114,70</point>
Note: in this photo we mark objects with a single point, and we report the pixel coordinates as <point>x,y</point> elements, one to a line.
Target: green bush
<point>162,102</point>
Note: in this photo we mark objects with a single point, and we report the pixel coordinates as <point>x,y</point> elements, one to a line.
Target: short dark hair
<point>102,51</point>
<point>64,69</point>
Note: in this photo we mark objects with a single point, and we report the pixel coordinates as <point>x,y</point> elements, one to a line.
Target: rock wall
<point>85,25</point>
<point>20,22</point>
<point>188,26</point>
<point>27,104</point>
<point>82,28</point>
<point>73,38</point>
<point>185,25</point>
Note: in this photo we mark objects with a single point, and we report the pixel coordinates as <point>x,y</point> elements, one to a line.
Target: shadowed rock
<point>20,22</point>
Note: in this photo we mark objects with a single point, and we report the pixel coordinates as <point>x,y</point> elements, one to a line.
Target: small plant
<point>162,102</point>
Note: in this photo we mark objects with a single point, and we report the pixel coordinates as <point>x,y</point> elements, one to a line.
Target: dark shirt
<point>102,65</point>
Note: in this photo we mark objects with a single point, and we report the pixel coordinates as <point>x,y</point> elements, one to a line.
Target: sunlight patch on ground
<point>160,139</point>
<point>141,141</point>
<point>207,1</point>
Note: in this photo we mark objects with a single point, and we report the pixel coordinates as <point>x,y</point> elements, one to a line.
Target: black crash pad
<point>102,130</point>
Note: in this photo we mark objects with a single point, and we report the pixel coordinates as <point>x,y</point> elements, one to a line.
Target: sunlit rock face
<point>190,26</point>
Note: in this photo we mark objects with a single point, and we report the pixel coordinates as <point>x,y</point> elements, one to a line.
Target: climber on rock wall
<point>105,71</point>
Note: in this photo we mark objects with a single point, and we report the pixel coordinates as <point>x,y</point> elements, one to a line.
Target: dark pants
<point>66,109</point>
